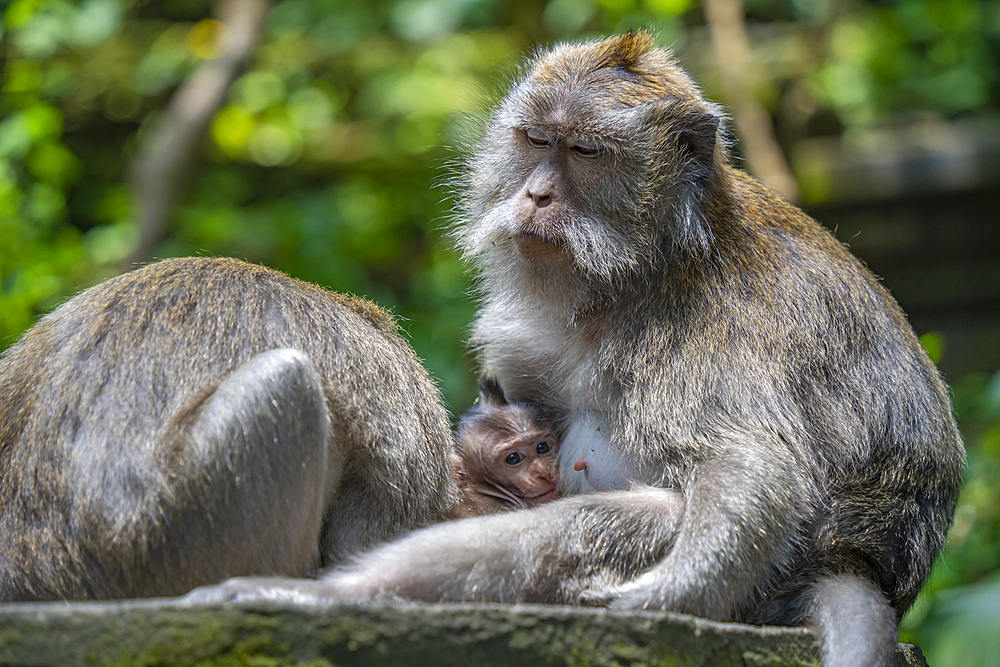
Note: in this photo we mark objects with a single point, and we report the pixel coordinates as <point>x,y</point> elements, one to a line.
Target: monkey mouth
<point>551,494</point>
<point>537,246</point>
<point>534,233</point>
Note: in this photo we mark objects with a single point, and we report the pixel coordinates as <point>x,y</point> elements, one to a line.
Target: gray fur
<point>199,419</point>
<point>731,352</point>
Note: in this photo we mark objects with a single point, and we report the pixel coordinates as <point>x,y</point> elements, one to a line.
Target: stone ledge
<point>159,632</point>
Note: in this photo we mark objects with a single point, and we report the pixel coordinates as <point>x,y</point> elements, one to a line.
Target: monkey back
<point>97,476</point>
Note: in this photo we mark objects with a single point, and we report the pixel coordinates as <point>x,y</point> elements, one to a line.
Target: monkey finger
<point>643,592</point>
<point>602,598</point>
<point>257,590</point>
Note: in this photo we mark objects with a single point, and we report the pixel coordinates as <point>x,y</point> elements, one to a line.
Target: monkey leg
<point>248,475</point>
<point>550,554</point>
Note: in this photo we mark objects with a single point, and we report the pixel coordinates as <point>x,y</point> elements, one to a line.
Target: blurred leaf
<point>566,17</point>
<point>964,628</point>
<point>202,39</point>
<point>934,343</point>
<point>668,7</point>
<point>53,163</point>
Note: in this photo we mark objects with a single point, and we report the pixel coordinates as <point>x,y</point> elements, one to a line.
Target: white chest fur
<point>587,459</point>
<point>536,356</point>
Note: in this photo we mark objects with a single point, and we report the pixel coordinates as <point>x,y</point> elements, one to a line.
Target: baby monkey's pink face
<point>507,452</point>
<point>526,464</point>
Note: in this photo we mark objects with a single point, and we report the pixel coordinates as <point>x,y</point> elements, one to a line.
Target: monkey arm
<point>547,554</point>
<point>743,518</point>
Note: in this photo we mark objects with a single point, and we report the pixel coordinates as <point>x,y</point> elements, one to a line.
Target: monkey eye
<point>537,138</point>
<point>585,148</point>
<point>513,458</point>
<point>543,447</point>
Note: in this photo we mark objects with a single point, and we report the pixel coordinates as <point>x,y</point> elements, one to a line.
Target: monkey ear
<point>698,133</point>
<point>490,392</point>
<point>692,126</point>
<point>685,139</point>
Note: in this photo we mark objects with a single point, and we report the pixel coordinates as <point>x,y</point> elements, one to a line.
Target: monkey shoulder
<point>778,274</point>
<point>788,327</point>
<point>219,297</point>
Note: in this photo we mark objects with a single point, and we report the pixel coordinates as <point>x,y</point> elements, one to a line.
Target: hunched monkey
<point>198,419</point>
<point>505,455</point>
<point>688,329</point>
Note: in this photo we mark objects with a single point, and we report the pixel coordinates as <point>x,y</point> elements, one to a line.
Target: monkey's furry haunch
<point>687,330</point>
<point>198,419</point>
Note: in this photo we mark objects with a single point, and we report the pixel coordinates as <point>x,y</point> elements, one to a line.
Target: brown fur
<point>485,434</point>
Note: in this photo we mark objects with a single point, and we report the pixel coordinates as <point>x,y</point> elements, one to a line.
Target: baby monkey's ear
<point>490,392</point>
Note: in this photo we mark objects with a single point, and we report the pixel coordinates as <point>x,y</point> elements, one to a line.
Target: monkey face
<point>506,451</point>
<point>528,467</point>
<point>551,204</point>
<point>595,160</point>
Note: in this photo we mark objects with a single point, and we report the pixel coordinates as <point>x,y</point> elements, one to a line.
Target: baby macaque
<point>505,456</point>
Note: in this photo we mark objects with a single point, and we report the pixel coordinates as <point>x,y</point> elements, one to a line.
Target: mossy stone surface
<point>161,632</point>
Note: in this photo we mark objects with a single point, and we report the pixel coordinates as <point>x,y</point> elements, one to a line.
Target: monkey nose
<point>540,199</point>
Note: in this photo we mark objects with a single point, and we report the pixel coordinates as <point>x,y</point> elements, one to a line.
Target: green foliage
<point>326,159</point>
<point>322,161</point>
<point>323,158</point>
<point>910,56</point>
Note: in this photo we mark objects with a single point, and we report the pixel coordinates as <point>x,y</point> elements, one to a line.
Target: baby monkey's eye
<point>537,138</point>
<point>543,447</point>
<point>513,458</point>
<point>585,148</point>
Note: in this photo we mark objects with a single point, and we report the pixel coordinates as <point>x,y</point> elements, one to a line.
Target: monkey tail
<point>856,624</point>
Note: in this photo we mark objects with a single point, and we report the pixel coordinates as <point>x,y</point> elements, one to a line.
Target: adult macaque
<point>688,329</point>
<point>505,456</point>
<point>198,419</point>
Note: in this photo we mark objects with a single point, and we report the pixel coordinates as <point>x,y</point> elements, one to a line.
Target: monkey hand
<point>640,593</point>
<point>650,591</point>
<point>261,590</point>
<point>626,596</point>
<point>602,598</point>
